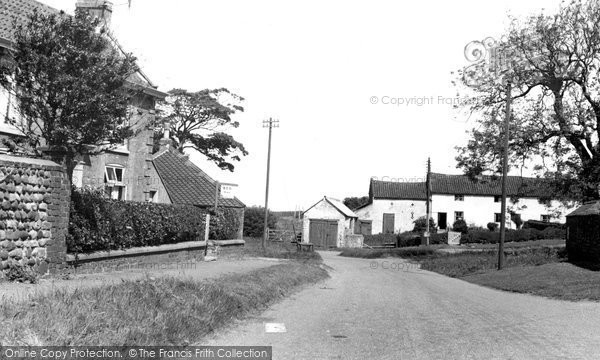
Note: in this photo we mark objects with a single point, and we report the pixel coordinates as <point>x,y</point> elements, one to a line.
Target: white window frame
<point>113,171</point>
<point>456,217</point>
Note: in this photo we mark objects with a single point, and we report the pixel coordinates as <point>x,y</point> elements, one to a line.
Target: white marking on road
<point>275,328</point>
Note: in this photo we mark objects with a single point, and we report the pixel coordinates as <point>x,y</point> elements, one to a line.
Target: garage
<point>329,224</point>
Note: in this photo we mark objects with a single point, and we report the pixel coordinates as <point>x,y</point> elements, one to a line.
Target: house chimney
<point>97,8</point>
<point>166,142</point>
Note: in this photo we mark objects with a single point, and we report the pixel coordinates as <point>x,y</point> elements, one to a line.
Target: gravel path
<point>389,309</point>
<point>196,270</point>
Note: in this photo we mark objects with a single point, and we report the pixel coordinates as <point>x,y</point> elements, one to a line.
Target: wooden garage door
<point>323,233</point>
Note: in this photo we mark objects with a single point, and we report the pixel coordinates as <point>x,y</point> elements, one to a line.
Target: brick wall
<point>34,213</point>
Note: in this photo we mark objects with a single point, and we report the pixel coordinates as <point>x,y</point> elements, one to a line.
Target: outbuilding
<point>329,224</point>
<point>583,233</point>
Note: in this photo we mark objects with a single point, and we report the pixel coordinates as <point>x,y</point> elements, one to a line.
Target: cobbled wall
<point>34,214</point>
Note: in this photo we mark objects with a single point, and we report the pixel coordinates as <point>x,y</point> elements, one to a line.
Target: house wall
<point>34,214</point>
<point>324,210</point>
<point>405,211</point>
<point>477,210</point>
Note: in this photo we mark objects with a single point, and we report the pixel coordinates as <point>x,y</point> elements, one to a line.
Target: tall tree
<point>198,120</point>
<point>70,85</point>
<point>552,63</point>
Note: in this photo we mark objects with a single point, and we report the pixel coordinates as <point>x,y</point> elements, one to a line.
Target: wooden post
<point>206,231</point>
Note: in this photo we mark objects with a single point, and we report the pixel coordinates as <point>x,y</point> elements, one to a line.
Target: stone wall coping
<point>29,161</point>
<point>149,250</point>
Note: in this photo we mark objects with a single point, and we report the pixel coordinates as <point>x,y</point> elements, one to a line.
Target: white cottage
<point>329,223</point>
<point>394,206</point>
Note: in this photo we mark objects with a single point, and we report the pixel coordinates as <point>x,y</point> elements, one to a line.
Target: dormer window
<point>459,198</point>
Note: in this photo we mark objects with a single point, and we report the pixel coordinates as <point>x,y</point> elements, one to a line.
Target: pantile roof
<point>459,185</point>
<point>186,183</point>
<point>590,208</point>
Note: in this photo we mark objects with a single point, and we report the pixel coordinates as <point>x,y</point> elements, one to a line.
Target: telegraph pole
<point>428,195</point>
<point>268,124</point>
<point>504,178</point>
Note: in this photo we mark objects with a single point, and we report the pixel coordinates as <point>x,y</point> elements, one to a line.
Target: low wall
<point>34,214</point>
<point>353,241</point>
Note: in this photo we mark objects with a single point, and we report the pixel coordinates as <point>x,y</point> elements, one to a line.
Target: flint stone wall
<point>34,214</point>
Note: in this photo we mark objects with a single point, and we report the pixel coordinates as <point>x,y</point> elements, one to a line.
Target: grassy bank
<point>166,311</point>
<point>537,268</point>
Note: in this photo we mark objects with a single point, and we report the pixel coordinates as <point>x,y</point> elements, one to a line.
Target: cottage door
<point>388,223</point>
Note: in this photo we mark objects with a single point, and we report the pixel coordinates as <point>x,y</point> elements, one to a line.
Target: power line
<point>268,124</point>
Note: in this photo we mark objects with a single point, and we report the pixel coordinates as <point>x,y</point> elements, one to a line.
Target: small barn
<point>583,233</point>
<point>329,224</point>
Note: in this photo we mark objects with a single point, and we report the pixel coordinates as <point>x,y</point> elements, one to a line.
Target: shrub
<point>541,225</point>
<point>492,226</point>
<point>460,226</point>
<point>380,239</point>
<point>421,225</point>
<point>24,274</point>
<point>97,223</point>
<point>254,221</point>
<point>408,239</point>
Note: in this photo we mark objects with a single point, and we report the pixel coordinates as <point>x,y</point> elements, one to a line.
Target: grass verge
<point>166,311</point>
<point>273,249</point>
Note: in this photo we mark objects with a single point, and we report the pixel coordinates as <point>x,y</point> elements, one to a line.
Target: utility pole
<point>428,207</point>
<point>268,124</point>
<point>504,177</point>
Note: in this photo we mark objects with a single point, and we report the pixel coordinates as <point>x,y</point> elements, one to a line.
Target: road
<point>389,309</point>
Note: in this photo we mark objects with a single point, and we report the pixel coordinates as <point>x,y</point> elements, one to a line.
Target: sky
<point>361,89</point>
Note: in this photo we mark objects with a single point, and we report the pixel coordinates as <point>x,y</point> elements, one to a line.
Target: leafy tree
<point>254,221</point>
<point>197,120</point>
<point>552,63</point>
<point>421,225</point>
<point>354,203</point>
<point>70,84</point>
<point>460,226</point>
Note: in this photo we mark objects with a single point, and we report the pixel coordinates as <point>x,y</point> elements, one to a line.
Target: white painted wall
<point>477,210</point>
<point>405,211</point>
<point>324,210</point>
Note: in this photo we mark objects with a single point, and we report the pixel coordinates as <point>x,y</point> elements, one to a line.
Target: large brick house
<point>130,171</point>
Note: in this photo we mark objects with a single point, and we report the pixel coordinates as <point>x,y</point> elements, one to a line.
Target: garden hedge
<point>98,223</point>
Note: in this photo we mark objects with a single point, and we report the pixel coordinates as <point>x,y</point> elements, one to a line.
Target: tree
<point>552,66</point>
<point>254,220</point>
<point>70,85</point>
<point>197,120</point>
<point>354,203</point>
<point>421,225</point>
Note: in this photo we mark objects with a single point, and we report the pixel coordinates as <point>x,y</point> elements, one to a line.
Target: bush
<point>460,226</point>
<point>254,221</point>
<point>541,225</point>
<point>488,237</point>
<point>492,226</point>
<point>97,223</point>
<point>421,225</point>
<point>408,239</point>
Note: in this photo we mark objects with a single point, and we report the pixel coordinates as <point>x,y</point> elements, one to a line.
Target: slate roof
<point>459,185</point>
<point>186,183</point>
<point>18,10</point>
<point>337,204</point>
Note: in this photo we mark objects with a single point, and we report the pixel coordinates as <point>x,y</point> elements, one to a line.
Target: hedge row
<point>97,223</point>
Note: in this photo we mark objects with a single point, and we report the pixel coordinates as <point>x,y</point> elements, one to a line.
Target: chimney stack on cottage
<point>98,8</point>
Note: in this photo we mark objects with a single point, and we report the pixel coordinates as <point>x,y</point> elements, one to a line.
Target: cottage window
<point>152,196</point>
<point>546,218</point>
<point>113,182</point>
<point>497,198</point>
<point>459,215</point>
<point>497,217</point>
<point>459,198</point>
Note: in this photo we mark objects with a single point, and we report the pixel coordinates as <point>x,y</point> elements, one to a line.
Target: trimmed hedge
<point>98,223</point>
<point>490,237</point>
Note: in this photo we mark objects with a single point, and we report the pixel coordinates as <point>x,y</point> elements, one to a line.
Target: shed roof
<point>336,204</point>
<point>591,208</point>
